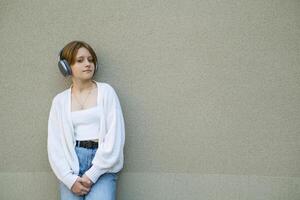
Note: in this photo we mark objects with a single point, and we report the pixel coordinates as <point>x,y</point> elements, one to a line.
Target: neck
<point>80,85</point>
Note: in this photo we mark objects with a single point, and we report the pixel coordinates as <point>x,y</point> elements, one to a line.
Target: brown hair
<point>70,50</point>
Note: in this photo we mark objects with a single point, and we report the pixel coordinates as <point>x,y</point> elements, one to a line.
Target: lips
<point>87,71</point>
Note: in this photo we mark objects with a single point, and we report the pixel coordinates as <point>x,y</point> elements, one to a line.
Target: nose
<point>88,64</point>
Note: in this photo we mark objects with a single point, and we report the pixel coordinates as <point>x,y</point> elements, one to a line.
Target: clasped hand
<point>82,185</point>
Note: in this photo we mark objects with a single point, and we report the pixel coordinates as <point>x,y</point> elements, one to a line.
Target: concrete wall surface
<point>210,92</point>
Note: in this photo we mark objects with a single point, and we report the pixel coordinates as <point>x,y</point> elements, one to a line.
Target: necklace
<point>82,104</point>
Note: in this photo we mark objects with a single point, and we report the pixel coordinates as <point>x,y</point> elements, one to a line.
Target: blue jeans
<point>103,189</point>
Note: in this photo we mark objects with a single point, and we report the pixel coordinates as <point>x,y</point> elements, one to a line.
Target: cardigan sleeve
<point>110,150</point>
<point>56,155</point>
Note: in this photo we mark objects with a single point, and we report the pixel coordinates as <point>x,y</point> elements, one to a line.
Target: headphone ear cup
<point>64,67</point>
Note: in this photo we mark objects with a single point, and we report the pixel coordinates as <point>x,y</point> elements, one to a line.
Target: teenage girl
<point>86,132</point>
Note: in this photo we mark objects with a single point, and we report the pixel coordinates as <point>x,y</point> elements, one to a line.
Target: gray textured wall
<point>210,92</point>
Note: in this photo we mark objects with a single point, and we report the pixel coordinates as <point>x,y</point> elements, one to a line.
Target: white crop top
<point>86,123</point>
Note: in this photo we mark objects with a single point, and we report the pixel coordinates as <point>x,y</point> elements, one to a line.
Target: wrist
<point>94,173</point>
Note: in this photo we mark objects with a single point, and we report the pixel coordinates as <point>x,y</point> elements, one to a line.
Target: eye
<point>80,60</point>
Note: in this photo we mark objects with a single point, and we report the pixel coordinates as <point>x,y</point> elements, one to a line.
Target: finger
<point>87,179</point>
<point>83,180</point>
<point>87,182</point>
<point>80,179</point>
<point>86,185</point>
<point>85,189</point>
<point>80,192</point>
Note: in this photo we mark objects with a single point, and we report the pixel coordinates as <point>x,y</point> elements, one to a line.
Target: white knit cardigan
<point>61,139</point>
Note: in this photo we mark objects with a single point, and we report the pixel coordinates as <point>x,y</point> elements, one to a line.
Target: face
<point>83,68</point>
